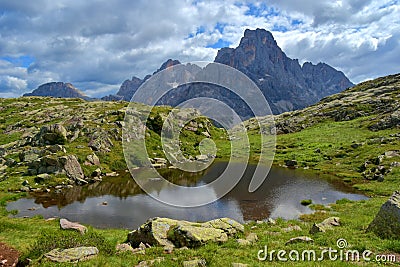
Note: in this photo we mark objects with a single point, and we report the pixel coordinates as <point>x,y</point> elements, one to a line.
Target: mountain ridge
<point>285,83</point>
<point>59,90</point>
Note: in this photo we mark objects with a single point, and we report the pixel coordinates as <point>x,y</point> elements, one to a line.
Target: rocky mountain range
<point>284,82</point>
<point>58,89</point>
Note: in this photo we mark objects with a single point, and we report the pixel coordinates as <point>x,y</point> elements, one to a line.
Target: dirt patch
<point>8,256</point>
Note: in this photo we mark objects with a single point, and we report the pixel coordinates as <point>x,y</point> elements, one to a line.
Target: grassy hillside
<point>353,135</point>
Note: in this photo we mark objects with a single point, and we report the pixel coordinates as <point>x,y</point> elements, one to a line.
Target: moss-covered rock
<point>169,232</point>
<point>387,222</point>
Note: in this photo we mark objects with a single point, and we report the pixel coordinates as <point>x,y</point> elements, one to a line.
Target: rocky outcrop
<point>58,89</point>
<point>72,254</point>
<point>387,222</point>
<point>174,233</point>
<point>100,141</point>
<point>72,168</point>
<point>378,98</point>
<point>58,164</point>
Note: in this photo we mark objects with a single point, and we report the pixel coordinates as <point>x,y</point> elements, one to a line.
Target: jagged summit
<point>285,83</point>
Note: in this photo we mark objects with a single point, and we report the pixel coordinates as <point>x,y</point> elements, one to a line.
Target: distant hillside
<point>378,101</point>
<point>58,89</point>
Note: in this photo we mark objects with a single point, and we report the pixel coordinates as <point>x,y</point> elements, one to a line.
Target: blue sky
<point>97,45</point>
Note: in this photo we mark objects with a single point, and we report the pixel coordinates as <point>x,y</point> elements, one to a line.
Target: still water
<point>118,202</point>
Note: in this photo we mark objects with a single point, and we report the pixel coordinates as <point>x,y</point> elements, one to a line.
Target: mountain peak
<point>285,84</point>
<point>167,64</point>
<point>58,89</point>
<point>259,34</point>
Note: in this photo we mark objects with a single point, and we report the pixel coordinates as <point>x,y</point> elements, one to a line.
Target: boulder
<point>195,235</point>
<point>29,155</point>
<point>387,222</point>
<point>72,168</point>
<point>52,134</point>
<point>169,232</point>
<point>67,225</point>
<point>100,141</point>
<point>325,225</point>
<point>71,254</point>
<point>93,159</point>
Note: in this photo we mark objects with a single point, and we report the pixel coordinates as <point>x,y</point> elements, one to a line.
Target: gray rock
<point>71,254</point>
<point>169,232</point>
<point>29,155</point>
<point>56,148</point>
<point>252,237</point>
<point>325,225</point>
<point>67,225</point>
<point>189,235</point>
<point>52,134</point>
<point>72,168</point>
<point>387,222</point>
<point>100,141</point>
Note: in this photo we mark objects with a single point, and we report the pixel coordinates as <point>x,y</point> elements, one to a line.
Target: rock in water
<point>71,254</point>
<point>169,232</point>
<point>67,225</point>
<point>387,222</point>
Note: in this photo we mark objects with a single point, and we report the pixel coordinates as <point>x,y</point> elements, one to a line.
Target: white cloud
<point>98,45</point>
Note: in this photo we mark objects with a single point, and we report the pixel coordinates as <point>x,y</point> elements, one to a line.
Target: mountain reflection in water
<point>127,206</point>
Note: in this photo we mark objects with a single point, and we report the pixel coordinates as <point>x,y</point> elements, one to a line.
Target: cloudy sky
<point>98,44</point>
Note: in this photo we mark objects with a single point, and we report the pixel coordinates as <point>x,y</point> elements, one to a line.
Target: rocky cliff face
<point>285,84</point>
<point>58,89</point>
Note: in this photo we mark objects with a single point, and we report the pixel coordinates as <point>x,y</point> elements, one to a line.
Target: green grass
<point>326,148</point>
